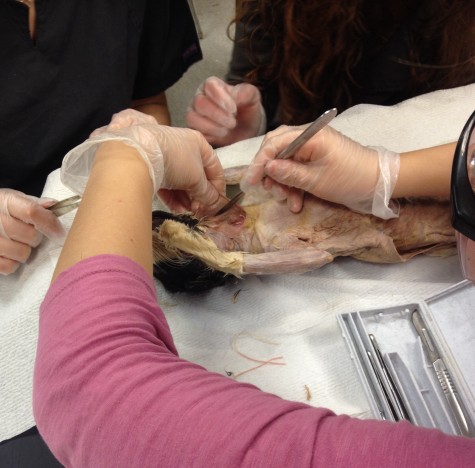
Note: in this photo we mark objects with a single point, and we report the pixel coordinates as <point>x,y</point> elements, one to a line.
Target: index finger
<point>212,167</point>
<point>213,192</point>
<point>31,212</point>
<point>273,143</point>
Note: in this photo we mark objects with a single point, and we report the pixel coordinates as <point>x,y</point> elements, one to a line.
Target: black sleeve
<point>169,45</point>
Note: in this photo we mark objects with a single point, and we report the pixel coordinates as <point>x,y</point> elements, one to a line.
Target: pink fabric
<point>110,391</point>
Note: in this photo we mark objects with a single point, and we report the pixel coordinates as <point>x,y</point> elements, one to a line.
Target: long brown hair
<point>317,43</point>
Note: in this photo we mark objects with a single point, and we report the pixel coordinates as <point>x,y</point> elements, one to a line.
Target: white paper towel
<point>288,318</point>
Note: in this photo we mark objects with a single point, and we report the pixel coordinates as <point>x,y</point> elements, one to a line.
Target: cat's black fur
<point>189,274</point>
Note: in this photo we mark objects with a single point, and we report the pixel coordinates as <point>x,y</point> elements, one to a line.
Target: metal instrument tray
<point>450,319</point>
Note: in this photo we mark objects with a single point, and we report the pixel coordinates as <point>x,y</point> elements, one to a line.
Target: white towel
<point>289,318</point>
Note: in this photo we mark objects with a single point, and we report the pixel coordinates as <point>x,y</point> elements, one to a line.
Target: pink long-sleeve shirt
<point>111,391</point>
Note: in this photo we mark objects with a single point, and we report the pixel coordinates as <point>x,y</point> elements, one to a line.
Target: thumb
<point>245,94</point>
<point>289,172</point>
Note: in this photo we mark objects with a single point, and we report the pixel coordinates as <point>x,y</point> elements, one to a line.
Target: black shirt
<point>89,59</point>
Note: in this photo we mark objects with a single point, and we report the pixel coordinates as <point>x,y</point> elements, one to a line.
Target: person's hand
<point>184,168</point>
<point>224,113</point>
<point>330,166</point>
<point>193,176</point>
<point>23,222</point>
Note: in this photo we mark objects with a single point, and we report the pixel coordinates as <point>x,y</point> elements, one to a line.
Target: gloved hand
<point>181,163</point>
<point>23,222</point>
<point>224,113</point>
<point>330,166</point>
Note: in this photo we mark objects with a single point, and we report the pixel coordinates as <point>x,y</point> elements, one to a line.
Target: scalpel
<point>444,377</point>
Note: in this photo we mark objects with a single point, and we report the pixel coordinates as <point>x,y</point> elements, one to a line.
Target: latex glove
<point>23,222</point>
<point>330,166</point>
<point>184,168</point>
<point>224,113</point>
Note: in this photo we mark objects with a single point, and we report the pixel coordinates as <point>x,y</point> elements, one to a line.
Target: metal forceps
<point>65,206</point>
<point>289,151</point>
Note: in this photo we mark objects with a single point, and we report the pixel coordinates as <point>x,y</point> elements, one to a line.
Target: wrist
<point>425,173</point>
<point>106,147</point>
<point>112,151</point>
<point>374,177</point>
<point>120,167</point>
<point>389,165</point>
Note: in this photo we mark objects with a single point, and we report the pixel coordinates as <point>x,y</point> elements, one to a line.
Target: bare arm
<point>114,216</point>
<point>426,172</point>
<point>156,106</point>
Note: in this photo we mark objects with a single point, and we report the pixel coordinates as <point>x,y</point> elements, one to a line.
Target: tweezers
<point>289,151</point>
<point>65,206</point>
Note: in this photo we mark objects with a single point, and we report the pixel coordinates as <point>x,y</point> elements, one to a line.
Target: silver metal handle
<point>453,398</point>
<point>308,133</point>
<point>388,381</point>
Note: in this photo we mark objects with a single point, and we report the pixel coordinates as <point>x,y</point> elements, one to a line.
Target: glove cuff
<point>78,162</point>
<point>389,163</point>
